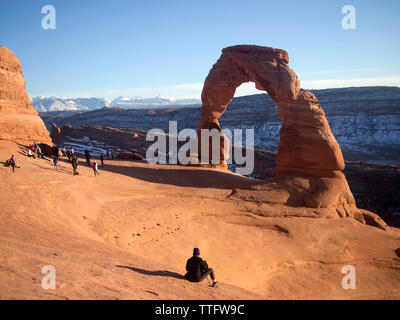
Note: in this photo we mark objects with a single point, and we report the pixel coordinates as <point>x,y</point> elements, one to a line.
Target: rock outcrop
<point>19,122</point>
<point>309,160</point>
<point>56,134</point>
<point>129,156</point>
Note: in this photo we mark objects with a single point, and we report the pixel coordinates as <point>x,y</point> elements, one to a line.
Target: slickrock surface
<point>127,234</point>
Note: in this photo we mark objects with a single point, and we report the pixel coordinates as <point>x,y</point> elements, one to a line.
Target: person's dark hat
<point>196,251</point>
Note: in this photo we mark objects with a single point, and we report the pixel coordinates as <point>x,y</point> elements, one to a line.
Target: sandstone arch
<point>309,160</point>
<point>306,141</point>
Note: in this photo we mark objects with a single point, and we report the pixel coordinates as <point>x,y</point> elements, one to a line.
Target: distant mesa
<point>309,160</point>
<point>19,122</point>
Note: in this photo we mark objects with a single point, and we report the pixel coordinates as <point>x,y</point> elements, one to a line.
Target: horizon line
<point>245,92</point>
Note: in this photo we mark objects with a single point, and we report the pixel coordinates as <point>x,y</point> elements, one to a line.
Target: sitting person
<point>13,163</point>
<point>30,154</point>
<point>197,269</point>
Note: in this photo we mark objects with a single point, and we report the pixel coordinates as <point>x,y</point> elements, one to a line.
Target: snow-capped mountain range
<point>45,104</point>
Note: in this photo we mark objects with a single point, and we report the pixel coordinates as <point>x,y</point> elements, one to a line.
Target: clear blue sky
<point>144,48</point>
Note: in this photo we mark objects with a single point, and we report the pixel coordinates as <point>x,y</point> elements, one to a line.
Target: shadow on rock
<point>159,273</point>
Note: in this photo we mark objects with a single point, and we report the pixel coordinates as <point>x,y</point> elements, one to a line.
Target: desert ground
<point>127,233</point>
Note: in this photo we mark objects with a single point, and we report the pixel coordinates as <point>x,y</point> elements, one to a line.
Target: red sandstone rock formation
<point>126,155</point>
<point>55,134</point>
<point>19,122</point>
<point>309,160</point>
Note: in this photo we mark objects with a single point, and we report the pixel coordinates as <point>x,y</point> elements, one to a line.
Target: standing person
<point>197,269</point>
<point>69,155</point>
<point>64,152</point>
<point>75,165</point>
<point>36,148</point>
<point>55,161</point>
<point>39,152</point>
<point>95,169</point>
<point>72,152</point>
<point>102,159</point>
<point>87,156</point>
<point>12,163</point>
<point>56,151</point>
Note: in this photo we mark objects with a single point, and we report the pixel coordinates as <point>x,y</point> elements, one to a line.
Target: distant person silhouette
<point>197,269</point>
<point>13,163</point>
<point>39,152</point>
<point>95,169</point>
<point>55,162</point>
<point>75,165</point>
<point>55,151</point>
<point>88,157</point>
<point>36,149</point>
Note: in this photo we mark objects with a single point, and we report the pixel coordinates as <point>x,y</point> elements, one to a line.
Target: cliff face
<point>19,122</point>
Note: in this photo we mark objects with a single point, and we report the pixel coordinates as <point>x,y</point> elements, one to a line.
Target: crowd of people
<point>73,159</point>
<point>35,151</point>
<point>40,151</point>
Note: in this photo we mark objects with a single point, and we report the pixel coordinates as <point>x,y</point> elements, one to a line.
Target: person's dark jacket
<point>195,267</point>
<point>55,151</point>
<point>74,163</point>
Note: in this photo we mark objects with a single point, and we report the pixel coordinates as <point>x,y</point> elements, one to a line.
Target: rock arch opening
<point>253,109</point>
